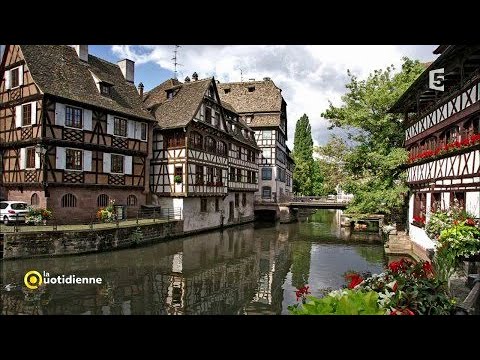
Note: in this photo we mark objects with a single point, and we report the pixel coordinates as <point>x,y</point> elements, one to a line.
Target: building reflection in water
<point>250,269</point>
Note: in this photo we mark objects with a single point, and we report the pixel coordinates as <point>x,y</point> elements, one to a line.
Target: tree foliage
<point>303,181</point>
<point>372,166</point>
<point>330,162</point>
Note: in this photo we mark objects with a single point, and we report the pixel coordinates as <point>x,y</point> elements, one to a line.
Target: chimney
<point>140,90</point>
<point>187,79</point>
<point>266,79</point>
<point>195,76</point>
<point>82,52</point>
<point>128,69</point>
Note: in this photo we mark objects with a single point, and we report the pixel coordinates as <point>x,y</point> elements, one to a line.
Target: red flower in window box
<point>419,220</point>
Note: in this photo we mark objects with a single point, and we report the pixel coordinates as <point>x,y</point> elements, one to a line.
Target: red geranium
<point>302,292</point>
<point>354,279</point>
<point>405,311</point>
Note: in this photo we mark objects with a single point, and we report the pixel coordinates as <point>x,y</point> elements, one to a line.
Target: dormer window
<point>15,77</point>
<point>169,94</point>
<point>251,88</point>
<point>226,91</point>
<point>105,89</point>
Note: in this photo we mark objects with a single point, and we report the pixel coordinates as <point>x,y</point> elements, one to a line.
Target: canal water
<point>249,269</point>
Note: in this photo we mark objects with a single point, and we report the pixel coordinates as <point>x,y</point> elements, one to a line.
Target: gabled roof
<point>266,97</point>
<point>157,95</point>
<point>179,110</point>
<point>239,125</point>
<point>58,71</point>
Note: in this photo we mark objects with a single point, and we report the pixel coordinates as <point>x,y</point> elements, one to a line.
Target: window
<point>266,155</point>
<point>244,199</point>
<point>73,159</point>
<point>117,164</point>
<point>248,119</point>
<point>239,154</point>
<point>217,119</point>
<point>120,127</point>
<point>208,115</point>
<point>178,171</point>
<point>280,174</point>
<point>251,88</point>
<point>69,200</point>
<point>73,117</point>
<point>226,91</point>
<point>249,177</point>
<point>267,134</point>
<point>15,77</point>
<point>266,192</point>
<point>34,200</point>
<point>210,144</point>
<point>266,173</point>
<point>203,205</point>
<point>105,89</point>
<point>196,140</point>
<point>169,94</point>
<point>199,174</point>
<point>239,175</point>
<point>209,175</point>
<point>232,174</point>
<point>222,148</point>
<point>436,201</point>
<point>131,200</point>
<point>237,200</point>
<point>254,177</point>
<point>102,200</point>
<point>143,132</point>
<point>459,198</point>
<point>219,177</point>
<point>217,205</point>
<point>174,139</point>
<point>419,205</point>
<point>30,160</point>
<point>26,115</point>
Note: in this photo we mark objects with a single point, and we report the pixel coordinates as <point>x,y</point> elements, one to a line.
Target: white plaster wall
<point>445,200</point>
<point>194,219</point>
<point>410,208</point>
<point>429,205</point>
<point>472,202</point>
<point>242,213</point>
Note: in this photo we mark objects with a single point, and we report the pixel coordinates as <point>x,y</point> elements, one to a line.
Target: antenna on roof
<point>175,63</point>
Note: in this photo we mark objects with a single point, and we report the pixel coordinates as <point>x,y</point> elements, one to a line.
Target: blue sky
<point>310,76</point>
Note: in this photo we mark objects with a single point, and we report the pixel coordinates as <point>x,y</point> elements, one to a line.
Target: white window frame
<point>111,162</point>
<point>83,158</point>
<point>65,117</point>
<point>113,130</point>
<point>20,76</point>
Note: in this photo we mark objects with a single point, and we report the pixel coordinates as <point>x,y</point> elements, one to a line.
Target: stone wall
<point>54,243</point>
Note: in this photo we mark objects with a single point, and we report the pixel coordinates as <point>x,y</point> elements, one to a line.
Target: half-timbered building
<point>73,131</point>
<point>442,138</point>
<point>262,107</point>
<point>192,144</point>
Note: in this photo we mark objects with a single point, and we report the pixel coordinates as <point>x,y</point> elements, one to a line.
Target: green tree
<point>302,154</point>
<point>372,166</point>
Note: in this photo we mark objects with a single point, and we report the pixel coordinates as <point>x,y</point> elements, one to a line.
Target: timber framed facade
<point>73,132</point>
<point>204,160</point>
<point>261,106</point>
<point>442,137</point>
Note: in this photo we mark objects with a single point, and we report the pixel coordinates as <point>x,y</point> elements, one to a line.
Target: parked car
<point>13,211</point>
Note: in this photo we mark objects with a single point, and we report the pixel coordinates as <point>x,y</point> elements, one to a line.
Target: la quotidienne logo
<point>33,279</point>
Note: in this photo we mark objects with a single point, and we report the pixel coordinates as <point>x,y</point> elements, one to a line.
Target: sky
<point>309,75</point>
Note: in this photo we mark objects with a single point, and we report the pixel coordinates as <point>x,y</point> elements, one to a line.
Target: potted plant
<point>108,213</point>
<point>38,215</point>
<point>177,179</point>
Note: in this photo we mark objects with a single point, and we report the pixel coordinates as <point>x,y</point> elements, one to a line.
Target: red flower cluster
<point>470,222</point>
<point>468,141</point>
<point>401,265</point>
<point>419,219</point>
<point>354,279</point>
<point>303,291</point>
<point>422,269</point>
<point>405,311</point>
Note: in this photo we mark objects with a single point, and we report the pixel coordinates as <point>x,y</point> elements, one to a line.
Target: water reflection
<point>252,269</point>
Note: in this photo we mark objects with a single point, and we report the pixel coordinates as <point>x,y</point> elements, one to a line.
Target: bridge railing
<point>289,198</point>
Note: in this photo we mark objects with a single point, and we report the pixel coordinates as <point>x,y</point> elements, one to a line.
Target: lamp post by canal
<point>41,151</point>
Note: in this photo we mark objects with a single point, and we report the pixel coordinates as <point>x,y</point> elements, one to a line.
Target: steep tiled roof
<point>180,110</point>
<point>157,95</point>
<point>265,98</point>
<point>265,120</point>
<point>239,126</point>
<point>58,71</point>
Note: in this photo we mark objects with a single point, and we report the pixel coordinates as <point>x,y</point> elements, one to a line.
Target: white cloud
<point>309,75</point>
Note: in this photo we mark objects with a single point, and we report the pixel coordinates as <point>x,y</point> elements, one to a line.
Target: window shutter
<point>20,75</point>
<point>87,160</point>
<point>128,165</point>
<point>8,80</point>
<point>37,161</point>
<point>107,160</point>
<point>34,112</point>
<point>131,128</point>
<point>60,114</point>
<point>18,116</point>
<point>22,158</point>
<point>87,119</point>
<point>110,124</point>
<point>60,158</point>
